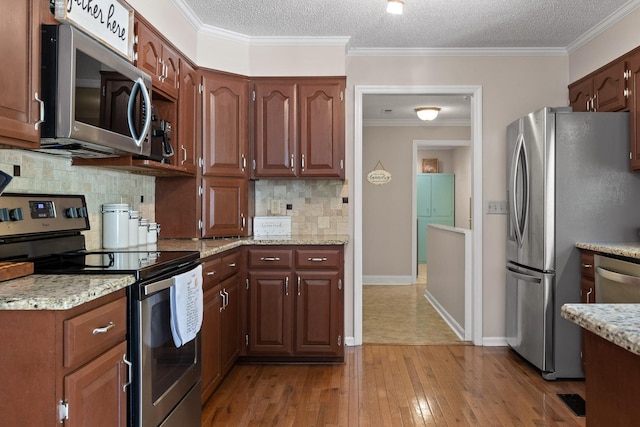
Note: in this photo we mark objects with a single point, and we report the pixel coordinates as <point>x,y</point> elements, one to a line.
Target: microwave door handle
<point>139,85</point>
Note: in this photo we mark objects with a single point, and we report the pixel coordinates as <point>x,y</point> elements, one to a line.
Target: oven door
<point>166,374</point>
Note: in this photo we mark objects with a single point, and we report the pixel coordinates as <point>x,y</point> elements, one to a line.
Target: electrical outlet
<point>497,207</point>
<point>276,208</point>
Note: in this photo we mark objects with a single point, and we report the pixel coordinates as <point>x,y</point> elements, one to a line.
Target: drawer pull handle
<point>233,264</point>
<point>211,273</point>
<point>316,259</point>
<point>587,265</point>
<point>104,329</point>
<point>269,258</point>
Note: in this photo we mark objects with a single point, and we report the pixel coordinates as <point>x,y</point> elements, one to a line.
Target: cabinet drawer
<point>230,264</point>
<point>317,258</point>
<point>586,264</point>
<point>211,272</point>
<point>92,333</point>
<point>270,258</point>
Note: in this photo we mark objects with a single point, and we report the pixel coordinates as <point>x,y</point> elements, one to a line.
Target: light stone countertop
<point>58,291</point>
<point>65,291</point>
<point>629,250</point>
<point>617,323</point>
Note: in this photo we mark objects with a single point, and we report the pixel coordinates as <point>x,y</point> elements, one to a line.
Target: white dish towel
<point>186,306</point>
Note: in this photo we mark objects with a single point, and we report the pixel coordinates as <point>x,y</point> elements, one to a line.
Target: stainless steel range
<point>46,230</point>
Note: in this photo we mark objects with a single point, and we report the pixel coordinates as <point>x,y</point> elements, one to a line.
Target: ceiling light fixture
<point>427,113</point>
<point>395,6</point>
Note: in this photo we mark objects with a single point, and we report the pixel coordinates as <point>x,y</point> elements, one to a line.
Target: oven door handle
<point>154,287</point>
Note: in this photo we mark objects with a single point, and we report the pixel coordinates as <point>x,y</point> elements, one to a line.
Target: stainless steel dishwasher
<point>617,280</point>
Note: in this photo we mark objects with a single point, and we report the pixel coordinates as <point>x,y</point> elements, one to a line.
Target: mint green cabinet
<point>435,205</point>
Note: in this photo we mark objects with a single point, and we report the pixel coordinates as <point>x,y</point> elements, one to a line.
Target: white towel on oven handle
<point>186,306</point>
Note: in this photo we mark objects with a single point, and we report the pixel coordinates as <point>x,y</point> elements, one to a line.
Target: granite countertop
<point>617,323</point>
<point>58,291</point>
<point>629,250</point>
<point>211,247</point>
<point>65,291</point>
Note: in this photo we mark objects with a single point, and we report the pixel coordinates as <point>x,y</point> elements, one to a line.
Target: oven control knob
<point>4,215</point>
<point>72,213</point>
<point>16,214</point>
<point>82,212</point>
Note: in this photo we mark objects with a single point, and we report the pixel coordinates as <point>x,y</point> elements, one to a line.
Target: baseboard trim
<point>494,342</point>
<point>455,326</point>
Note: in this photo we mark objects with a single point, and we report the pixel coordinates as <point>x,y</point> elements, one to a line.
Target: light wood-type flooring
<point>400,314</point>
<point>395,385</point>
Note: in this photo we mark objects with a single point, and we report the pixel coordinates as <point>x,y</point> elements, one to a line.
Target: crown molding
<point>493,51</point>
<point>603,26</point>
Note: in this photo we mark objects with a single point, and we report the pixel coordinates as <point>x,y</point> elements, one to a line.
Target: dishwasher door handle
<point>618,277</point>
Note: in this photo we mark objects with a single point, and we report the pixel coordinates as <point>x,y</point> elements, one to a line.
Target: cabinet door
<point>95,392</point>
<point>442,186</point>
<point>321,106</point>
<point>178,207</point>
<point>158,60</point>
<point>276,129</point>
<point>189,119</point>
<point>210,342</point>
<point>319,313</point>
<point>270,311</point>
<point>230,323</point>
<point>580,95</point>
<point>423,196</point>
<point>608,86</point>
<point>149,52</point>
<point>20,53</point>
<point>633,64</point>
<point>225,125</point>
<point>225,202</point>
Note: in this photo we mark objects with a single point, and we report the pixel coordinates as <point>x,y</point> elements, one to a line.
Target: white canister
<point>115,225</point>
<point>143,231</point>
<point>134,219</point>
<point>152,235</point>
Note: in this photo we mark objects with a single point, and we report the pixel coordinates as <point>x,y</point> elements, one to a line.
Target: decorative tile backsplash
<point>43,173</point>
<point>318,208</point>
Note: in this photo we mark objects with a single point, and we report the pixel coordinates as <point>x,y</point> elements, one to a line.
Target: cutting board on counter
<point>13,270</point>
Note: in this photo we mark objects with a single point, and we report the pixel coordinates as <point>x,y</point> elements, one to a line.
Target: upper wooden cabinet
<point>158,58</point>
<point>299,127</point>
<point>602,91</point>
<point>613,87</point>
<point>225,146</point>
<point>20,51</point>
<point>189,118</point>
<point>633,84</point>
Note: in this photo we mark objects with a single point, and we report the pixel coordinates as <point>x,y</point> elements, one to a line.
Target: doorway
<point>475,92</point>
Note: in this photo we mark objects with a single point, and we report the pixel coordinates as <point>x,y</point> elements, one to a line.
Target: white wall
<point>462,164</point>
<point>387,215</point>
<point>614,42</point>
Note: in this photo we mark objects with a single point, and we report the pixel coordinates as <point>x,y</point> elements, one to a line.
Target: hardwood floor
<point>389,385</point>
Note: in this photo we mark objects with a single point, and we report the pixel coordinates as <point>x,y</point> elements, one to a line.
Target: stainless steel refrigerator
<point>568,181</point>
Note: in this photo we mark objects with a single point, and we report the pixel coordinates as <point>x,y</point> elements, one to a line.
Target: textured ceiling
<point>424,24</point>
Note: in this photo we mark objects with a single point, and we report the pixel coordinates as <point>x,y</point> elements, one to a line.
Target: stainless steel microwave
<point>96,103</point>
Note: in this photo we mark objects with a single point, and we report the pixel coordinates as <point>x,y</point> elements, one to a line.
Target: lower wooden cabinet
<point>59,371</point>
<point>587,291</point>
<point>220,333</point>
<point>295,303</point>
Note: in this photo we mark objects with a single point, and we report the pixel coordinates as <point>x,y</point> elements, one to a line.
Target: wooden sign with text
<point>108,21</point>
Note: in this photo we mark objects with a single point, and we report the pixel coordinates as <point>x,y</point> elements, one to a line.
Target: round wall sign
<point>379,177</point>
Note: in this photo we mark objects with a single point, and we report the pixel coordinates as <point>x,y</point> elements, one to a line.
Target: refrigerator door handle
<point>519,159</point>
<point>525,277</point>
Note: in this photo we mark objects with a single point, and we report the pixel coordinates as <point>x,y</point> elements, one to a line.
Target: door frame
<point>475,92</point>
